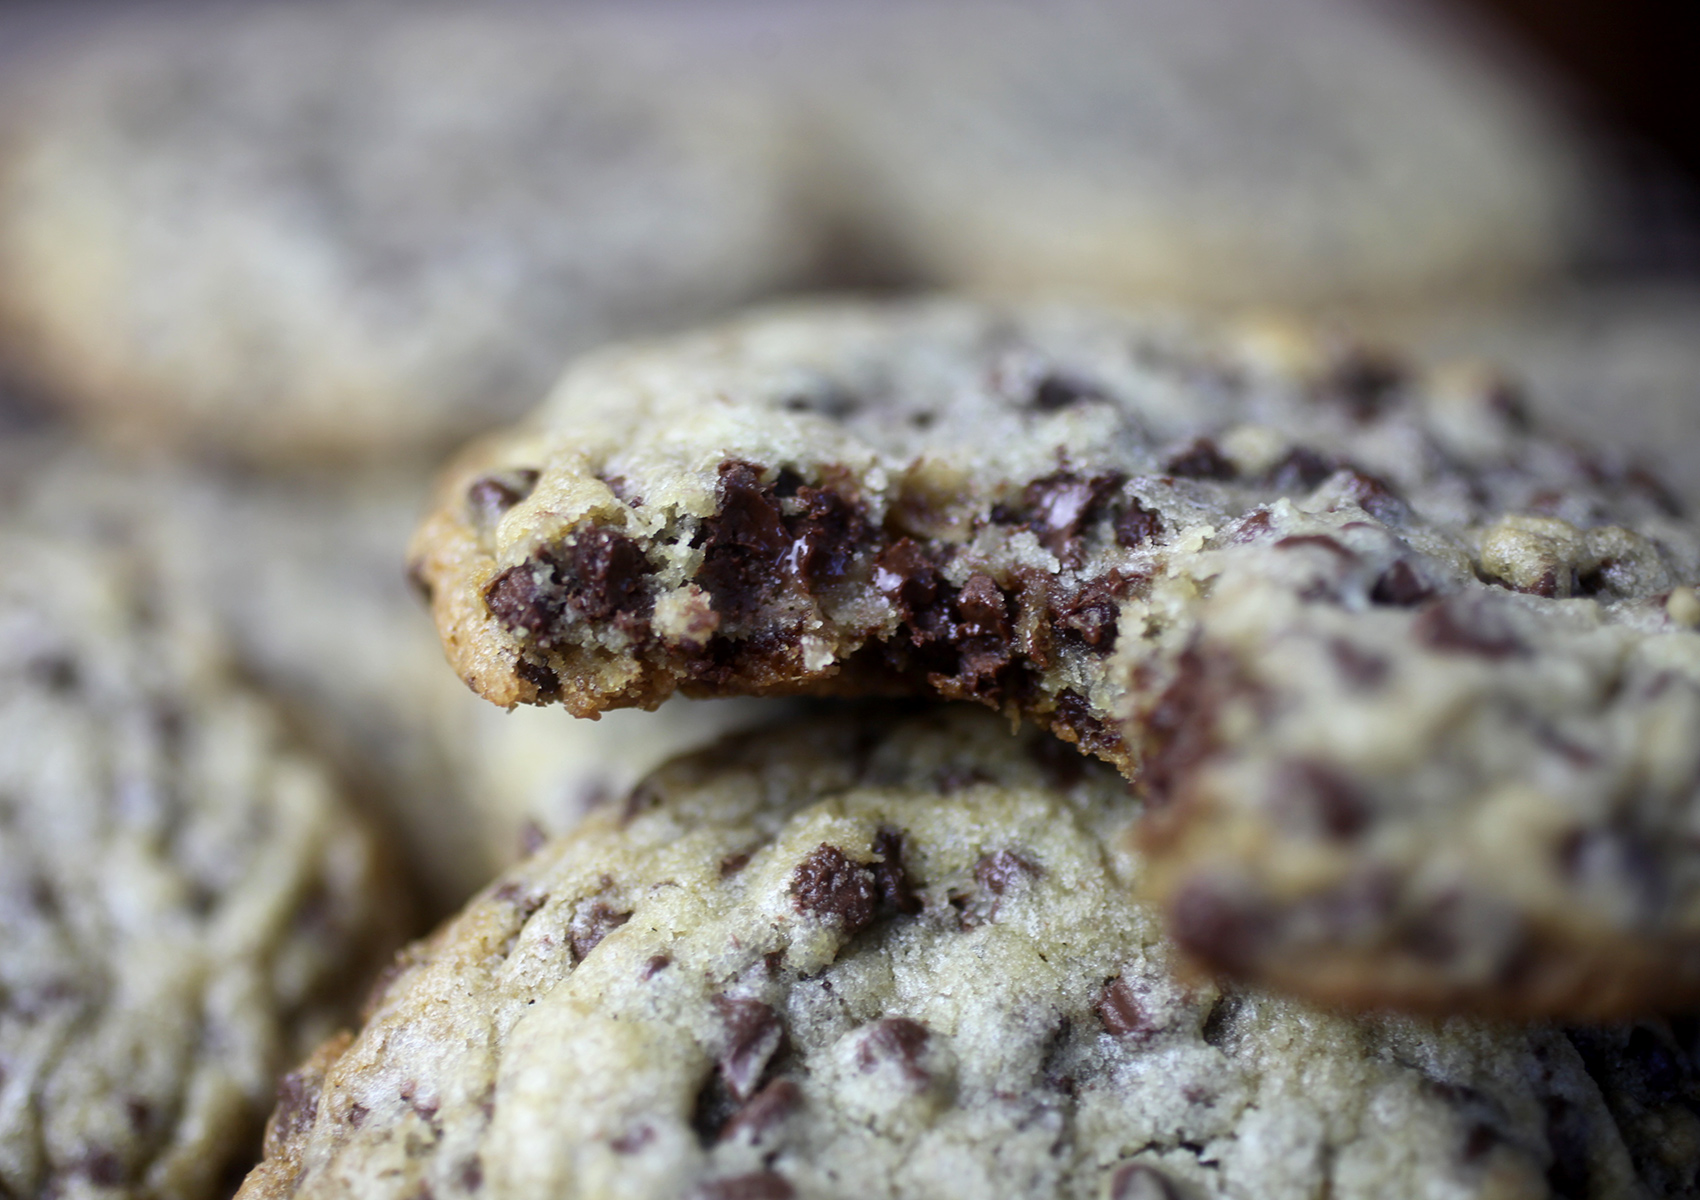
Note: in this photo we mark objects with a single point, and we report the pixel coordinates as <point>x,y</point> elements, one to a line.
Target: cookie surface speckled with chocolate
<point>1403,586</point>
<point>286,232</point>
<point>186,900</point>
<point>896,958</point>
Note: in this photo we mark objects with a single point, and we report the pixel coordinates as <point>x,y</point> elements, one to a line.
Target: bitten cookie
<point>285,232</point>
<point>897,958</point>
<point>1234,151</point>
<point>1211,558</point>
<point>185,902</point>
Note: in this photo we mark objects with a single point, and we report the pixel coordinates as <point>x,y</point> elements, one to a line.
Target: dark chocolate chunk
<point>765,1110</point>
<point>731,864</point>
<point>597,572</point>
<point>828,885</point>
<point>907,577</point>
<point>1375,496</point>
<point>1362,669</point>
<point>1088,615</point>
<point>1200,459</point>
<point>741,543</point>
<point>1122,1012</point>
<point>1319,794</point>
<point>656,964</point>
<point>1400,586</point>
<point>1056,391</point>
<point>825,536</point>
<point>1075,714</point>
<point>1303,469</point>
<point>753,1035</point>
<point>761,1185</point>
<point>492,495</point>
<point>1444,625</point>
<point>540,676</point>
<point>592,921</point>
<point>891,881</point>
<point>1221,930</point>
<point>898,1040</point>
<point>1365,382</point>
<point>982,608</point>
<point>1136,1181</point>
<point>1059,506</point>
<point>472,1173</point>
<point>1135,525</point>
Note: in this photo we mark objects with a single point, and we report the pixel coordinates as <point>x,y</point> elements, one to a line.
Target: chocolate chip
<point>1375,496</point>
<point>891,880</point>
<point>830,886</point>
<point>357,1114</point>
<point>1400,586</point>
<point>982,608</point>
<point>898,1040</point>
<point>472,1173</point>
<point>540,676</point>
<point>1136,1181</point>
<point>1444,626</point>
<point>765,1110</point>
<point>1318,793</point>
<point>1088,614</point>
<point>489,497</point>
<point>733,863</point>
<point>101,1167</point>
<point>1056,391</point>
<point>1180,730</point>
<point>761,1185</point>
<point>525,902</point>
<point>593,921</point>
<point>1122,1012</point>
<point>1361,669</point>
<point>741,543</point>
<point>623,490</point>
<point>598,573</point>
<point>1222,930</point>
<point>907,577</point>
<point>1303,469</point>
<point>825,536</point>
<point>1200,459</point>
<point>1135,525</point>
<point>753,1035</point>
<point>416,581</point>
<point>656,964</point>
<point>1074,713</point>
<point>1365,382</point>
<point>1059,506</point>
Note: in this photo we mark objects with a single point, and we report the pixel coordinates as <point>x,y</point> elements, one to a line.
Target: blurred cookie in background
<point>1313,151</point>
<point>1612,365</point>
<point>305,577</point>
<point>285,231</point>
<point>186,900</point>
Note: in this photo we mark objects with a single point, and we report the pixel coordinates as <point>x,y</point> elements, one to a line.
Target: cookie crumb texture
<point>856,958</point>
<point>1407,679</point>
<point>184,902</point>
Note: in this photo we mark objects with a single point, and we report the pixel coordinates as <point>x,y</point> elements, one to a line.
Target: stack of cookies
<point>1177,750</point>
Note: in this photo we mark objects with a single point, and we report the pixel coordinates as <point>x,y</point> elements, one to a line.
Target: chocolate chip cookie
<point>899,958</point>
<point>304,575</point>
<point>185,900</point>
<point>283,232</point>
<point>1228,562</point>
<point>1304,152</point>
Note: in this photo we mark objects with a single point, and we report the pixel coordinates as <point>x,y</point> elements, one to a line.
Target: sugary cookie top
<point>185,900</point>
<point>861,956</point>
